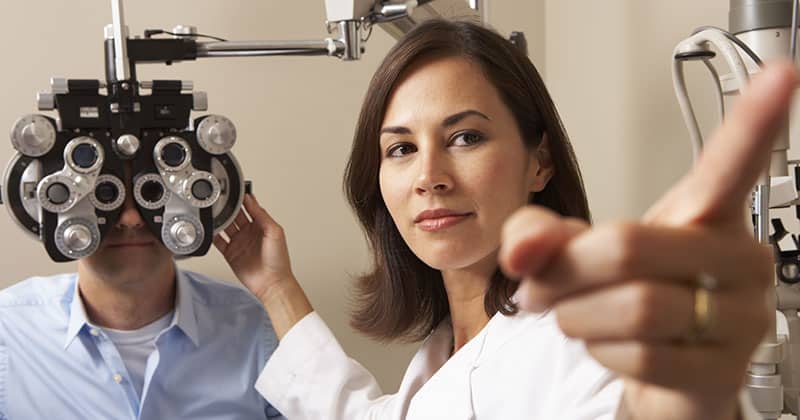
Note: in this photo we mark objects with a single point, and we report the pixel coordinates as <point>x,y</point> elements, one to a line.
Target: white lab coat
<point>517,367</point>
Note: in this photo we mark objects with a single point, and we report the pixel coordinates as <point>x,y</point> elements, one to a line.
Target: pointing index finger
<point>718,185</point>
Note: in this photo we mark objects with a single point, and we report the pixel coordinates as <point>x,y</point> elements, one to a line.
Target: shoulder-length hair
<point>402,297</point>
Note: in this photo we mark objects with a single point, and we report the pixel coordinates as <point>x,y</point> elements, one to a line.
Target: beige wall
<point>608,66</point>
<point>294,116</point>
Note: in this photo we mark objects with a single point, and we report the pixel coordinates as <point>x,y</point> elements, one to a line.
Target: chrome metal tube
<point>120,41</point>
<point>267,48</point>
<point>351,39</point>
<point>749,15</point>
<point>482,7</point>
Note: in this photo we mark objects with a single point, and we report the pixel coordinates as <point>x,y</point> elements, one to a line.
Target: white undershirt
<point>135,346</point>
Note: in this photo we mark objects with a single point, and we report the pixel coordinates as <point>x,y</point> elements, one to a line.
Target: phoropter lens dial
<point>150,192</point>
<point>77,238</point>
<point>109,193</point>
<point>216,134</point>
<point>84,155</point>
<point>172,154</point>
<point>33,135</point>
<point>56,193</point>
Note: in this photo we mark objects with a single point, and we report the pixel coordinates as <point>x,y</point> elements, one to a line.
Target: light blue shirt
<point>55,364</point>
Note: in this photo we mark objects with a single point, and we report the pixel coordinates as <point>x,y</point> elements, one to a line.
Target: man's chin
<point>125,262</point>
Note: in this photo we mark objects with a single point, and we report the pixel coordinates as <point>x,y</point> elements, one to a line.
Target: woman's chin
<point>449,260</point>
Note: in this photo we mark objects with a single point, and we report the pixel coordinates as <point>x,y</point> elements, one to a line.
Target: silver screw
<point>184,233</point>
<point>128,144</point>
<point>78,237</point>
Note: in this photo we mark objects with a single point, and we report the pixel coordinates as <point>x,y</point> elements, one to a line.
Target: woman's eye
<point>400,150</point>
<point>467,138</point>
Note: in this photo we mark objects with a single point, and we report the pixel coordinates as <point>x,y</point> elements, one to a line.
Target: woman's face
<point>453,164</point>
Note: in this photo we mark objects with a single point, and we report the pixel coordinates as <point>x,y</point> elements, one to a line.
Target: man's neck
<point>127,303</point>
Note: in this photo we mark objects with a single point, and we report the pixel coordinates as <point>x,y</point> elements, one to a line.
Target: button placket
<point>116,367</point>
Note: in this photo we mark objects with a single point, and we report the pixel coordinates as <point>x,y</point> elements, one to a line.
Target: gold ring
<point>703,309</point>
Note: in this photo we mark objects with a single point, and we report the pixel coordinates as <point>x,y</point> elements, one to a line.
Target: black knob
<point>58,193</point>
<point>152,191</point>
<point>202,189</point>
<point>173,154</point>
<point>106,192</point>
<point>84,155</point>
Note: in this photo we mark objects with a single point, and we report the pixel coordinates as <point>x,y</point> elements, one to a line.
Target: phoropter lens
<point>84,155</point>
<point>152,191</point>
<point>106,192</point>
<point>173,154</point>
<point>58,193</point>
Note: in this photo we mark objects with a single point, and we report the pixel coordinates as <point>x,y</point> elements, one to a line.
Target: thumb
<point>532,237</point>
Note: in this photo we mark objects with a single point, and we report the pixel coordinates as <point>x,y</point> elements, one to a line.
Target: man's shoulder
<point>227,303</point>
<point>38,290</point>
<point>215,292</point>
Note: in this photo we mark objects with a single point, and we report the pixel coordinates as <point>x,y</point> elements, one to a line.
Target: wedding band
<point>703,309</point>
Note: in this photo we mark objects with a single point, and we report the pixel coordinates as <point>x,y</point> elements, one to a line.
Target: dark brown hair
<point>402,297</point>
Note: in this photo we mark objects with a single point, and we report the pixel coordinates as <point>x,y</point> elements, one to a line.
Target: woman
<point>456,134</point>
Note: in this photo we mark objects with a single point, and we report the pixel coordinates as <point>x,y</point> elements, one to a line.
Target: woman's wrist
<point>286,303</point>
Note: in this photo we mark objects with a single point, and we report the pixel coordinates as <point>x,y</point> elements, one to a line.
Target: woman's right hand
<point>257,253</point>
<point>674,303</point>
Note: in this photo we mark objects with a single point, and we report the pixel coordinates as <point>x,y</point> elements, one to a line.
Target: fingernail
<point>528,301</point>
<point>534,307</point>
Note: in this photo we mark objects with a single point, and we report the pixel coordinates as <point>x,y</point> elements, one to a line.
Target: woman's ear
<point>541,166</point>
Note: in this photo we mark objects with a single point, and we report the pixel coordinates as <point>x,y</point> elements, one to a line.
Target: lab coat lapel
<point>448,393</point>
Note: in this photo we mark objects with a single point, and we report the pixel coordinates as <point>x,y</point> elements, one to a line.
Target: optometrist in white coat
<point>620,333</point>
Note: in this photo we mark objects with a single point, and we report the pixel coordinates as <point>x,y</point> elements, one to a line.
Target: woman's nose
<point>434,174</point>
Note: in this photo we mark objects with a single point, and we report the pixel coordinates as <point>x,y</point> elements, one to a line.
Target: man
<point>131,337</point>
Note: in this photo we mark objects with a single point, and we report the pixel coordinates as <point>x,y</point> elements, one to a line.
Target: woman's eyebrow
<point>455,118</point>
<point>395,130</point>
<point>451,120</point>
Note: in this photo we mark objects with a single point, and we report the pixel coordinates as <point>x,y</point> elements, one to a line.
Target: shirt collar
<point>185,318</point>
<point>77,316</point>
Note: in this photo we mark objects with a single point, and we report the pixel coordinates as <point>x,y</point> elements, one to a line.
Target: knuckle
<point>642,360</point>
<point>568,328</point>
<point>644,303</point>
<point>277,230</point>
<point>624,243</point>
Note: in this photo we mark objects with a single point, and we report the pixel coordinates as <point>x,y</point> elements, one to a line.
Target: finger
<point>616,253</point>
<point>738,153</point>
<point>674,366</point>
<point>652,311</point>
<point>257,213</point>
<point>231,230</point>
<point>532,236</point>
<point>241,219</point>
<point>220,243</point>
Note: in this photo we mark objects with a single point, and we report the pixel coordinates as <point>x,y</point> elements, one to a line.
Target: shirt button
<point>95,332</point>
<point>117,378</point>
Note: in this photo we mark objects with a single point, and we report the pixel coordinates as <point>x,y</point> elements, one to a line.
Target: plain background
<point>606,63</point>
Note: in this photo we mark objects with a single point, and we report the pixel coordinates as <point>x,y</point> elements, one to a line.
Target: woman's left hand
<point>630,290</point>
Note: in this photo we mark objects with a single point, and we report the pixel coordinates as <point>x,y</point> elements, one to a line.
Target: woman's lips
<point>441,223</point>
<point>440,219</point>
